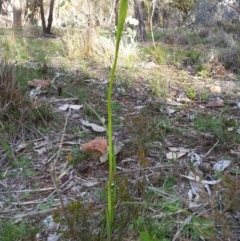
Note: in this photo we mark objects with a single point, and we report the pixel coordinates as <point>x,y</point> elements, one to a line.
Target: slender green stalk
<point>112,192</point>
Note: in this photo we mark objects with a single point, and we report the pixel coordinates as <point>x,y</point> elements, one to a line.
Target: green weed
<point>157,36</point>
<point>23,75</point>
<point>77,156</point>
<point>160,228</point>
<point>158,86</point>
<point>22,162</point>
<point>193,56</point>
<point>40,116</point>
<point>47,204</point>
<point>176,56</point>
<point>44,129</point>
<point>116,106</point>
<point>159,54</point>
<point>191,93</point>
<point>144,130</point>
<point>80,216</point>
<point>199,227</point>
<point>15,232</point>
<point>218,126</point>
<point>204,73</point>
<point>29,173</point>
<point>204,95</point>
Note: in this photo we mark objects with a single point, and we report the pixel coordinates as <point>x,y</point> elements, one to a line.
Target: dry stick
<point>56,180</point>
<point>19,217</point>
<point>64,100</point>
<point>31,190</point>
<point>211,149</point>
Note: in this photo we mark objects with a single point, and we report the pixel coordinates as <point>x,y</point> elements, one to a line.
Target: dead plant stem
<point>55,179</point>
<point>211,149</point>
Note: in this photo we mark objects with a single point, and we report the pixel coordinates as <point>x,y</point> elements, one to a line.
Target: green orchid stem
<point>112,188</point>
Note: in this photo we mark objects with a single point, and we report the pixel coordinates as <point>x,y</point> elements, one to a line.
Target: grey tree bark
<point>116,9</point>
<point>46,29</point>
<point>141,31</point>
<point>50,17</point>
<point>42,16</point>
<point>17,14</point>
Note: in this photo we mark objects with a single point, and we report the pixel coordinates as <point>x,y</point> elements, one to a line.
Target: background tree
<point>50,17</point>
<point>184,7</point>
<point>141,31</point>
<point>17,14</point>
<point>46,29</point>
<point>116,9</point>
<point>1,6</point>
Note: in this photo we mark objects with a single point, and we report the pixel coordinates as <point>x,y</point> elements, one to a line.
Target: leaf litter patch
<point>156,140</point>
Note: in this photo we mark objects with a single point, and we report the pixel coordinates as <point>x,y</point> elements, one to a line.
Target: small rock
<point>205,167</point>
<point>189,68</point>
<point>83,169</point>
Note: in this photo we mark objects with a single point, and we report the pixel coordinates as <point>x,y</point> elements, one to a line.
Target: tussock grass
<point>11,97</point>
<point>89,43</point>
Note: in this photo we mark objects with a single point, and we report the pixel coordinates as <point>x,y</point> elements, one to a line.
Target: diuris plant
<point>112,189</point>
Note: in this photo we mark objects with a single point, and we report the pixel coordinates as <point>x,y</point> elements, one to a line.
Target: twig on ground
<point>31,190</point>
<point>19,217</point>
<point>55,179</point>
<point>64,99</point>
<point>45,199</point>
<point>211,149</point>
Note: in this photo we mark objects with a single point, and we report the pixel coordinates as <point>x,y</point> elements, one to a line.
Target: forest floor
<point>178,139</point>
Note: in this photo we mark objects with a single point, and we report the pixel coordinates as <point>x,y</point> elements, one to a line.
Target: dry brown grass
<point>10,94</point>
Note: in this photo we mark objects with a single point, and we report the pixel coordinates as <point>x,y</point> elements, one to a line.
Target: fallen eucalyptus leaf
<point>21,146</point>
<point>75,107</point>
<point>170,111</point>
<point>41,150</point>
<point>64,107</point>
<point>89,184</point>
<point>221,165</point>
<point>176,153</point>
<point>95,127</point>
<point>117,149</point>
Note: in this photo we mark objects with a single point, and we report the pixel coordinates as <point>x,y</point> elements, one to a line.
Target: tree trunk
<point>42,16</point>
<point>139,16</point>
<point>116,8</point>
<point>17,14</point>
<point>1,10</point>
<point>50,17</point>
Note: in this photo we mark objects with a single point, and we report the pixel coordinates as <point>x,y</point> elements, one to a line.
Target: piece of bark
<point>39,82</point>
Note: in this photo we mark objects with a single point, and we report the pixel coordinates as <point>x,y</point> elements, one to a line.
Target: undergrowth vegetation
<point>15,232</point>
<point>159,113</point>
